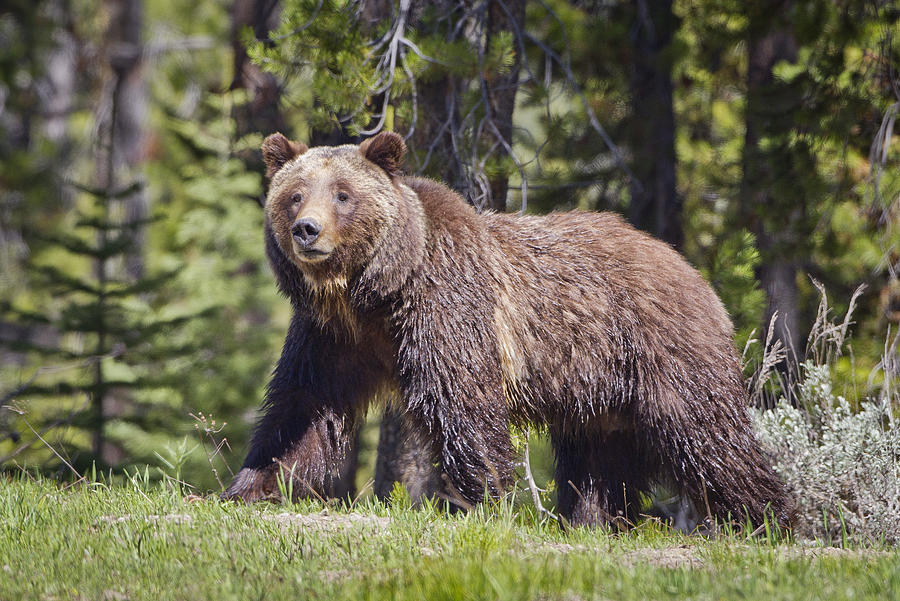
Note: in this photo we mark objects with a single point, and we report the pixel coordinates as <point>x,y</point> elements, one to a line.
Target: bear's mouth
<point>311,254</point>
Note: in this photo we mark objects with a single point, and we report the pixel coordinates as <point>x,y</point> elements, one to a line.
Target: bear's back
<point>579,297</point>
<point>574,258</point>
<point>601,251</point>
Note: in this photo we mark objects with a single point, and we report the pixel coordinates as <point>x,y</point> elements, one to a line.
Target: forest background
<point>139,320</point>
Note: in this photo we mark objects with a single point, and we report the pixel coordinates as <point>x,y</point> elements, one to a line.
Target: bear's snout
<point>306,231</point>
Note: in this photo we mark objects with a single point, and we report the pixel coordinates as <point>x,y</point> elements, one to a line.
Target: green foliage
<point>576,168</point>
<point>214,230</point>
<point>110,327</point>
<point>324,40</point>
<point>359,70</point>
<point>197,333</point>
<point>731,272</point>
<point>819,113</point>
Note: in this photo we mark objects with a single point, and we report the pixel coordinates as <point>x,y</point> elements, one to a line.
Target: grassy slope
<point>121,542</point>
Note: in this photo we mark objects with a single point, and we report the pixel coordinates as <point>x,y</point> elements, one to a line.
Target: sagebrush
<point>840,461</point>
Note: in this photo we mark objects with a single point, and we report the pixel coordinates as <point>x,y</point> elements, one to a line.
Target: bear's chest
<point>365,333</point>
<point>330,304</point>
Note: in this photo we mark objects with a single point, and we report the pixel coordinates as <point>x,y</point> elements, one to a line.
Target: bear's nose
<point>306,231</point>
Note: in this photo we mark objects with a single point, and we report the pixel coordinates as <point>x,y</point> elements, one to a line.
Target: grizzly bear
<point>574,322</point>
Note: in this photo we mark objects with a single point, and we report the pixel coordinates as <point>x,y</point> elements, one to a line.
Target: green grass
<point>130,541</point>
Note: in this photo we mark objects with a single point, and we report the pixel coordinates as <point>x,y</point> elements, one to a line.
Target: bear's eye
<point>342,197</point>
<point>296,198</point>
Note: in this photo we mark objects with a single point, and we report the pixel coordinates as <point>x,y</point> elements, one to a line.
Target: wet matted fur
<point>573,321</point>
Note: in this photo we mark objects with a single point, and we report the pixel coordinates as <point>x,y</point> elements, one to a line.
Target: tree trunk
<point>57,87</point>
<point>431,146</point>
<point>402,456</point>
<point>262,113</point>
<point>125,55</point>
<point>431,139</point>
<point>772,204</point>
<point>655,204</point>
<point>121,120</point>
<point>504,17</point>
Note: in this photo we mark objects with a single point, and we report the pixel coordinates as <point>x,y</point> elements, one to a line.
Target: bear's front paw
<point>250,485</point>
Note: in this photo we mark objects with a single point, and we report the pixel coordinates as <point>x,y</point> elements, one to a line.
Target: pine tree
<point>109,330</point>
<point>365,72</point>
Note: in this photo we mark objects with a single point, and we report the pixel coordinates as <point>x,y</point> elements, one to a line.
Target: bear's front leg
<point>452,384</point>
<point>308,420</point>
<point>315,448</point>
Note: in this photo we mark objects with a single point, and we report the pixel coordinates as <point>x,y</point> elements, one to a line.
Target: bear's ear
<point>278,150</point>
<point>386,150</point>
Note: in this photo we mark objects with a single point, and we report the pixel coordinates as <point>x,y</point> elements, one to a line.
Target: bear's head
<point>342,213</point>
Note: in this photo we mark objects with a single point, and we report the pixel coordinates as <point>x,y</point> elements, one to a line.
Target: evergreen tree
<point>775,159</point>
<point>807,89</point>
<point>107,323</point>
<point>364,71</point>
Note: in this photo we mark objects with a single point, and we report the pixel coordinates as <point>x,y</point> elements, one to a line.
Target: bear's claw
<point>249,485</point>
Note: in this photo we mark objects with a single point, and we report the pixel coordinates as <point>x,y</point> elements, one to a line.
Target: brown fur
<point>573,321</point>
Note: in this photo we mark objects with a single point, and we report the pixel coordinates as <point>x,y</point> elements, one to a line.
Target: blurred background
<point>139,320</point>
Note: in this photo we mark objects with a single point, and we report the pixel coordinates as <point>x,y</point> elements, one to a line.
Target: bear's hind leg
<point>714,457</point>
<point>600,477</point>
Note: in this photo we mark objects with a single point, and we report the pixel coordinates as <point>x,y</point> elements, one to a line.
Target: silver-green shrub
<point>843,466</point>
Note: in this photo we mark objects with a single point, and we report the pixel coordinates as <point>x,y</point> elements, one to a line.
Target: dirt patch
<point>338,575</point>
<point>690,556</point>
<point>328,521</point>
<point>686,556</point>
<point>820,552</point>
<point>563,548</point>
<point>174,518</point>
<point>668,557</point>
